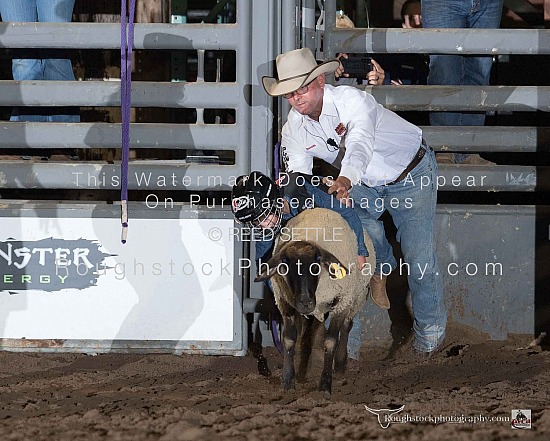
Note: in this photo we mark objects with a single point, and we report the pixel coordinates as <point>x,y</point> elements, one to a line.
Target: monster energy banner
<point>71,278</point>
<point>47,264</point>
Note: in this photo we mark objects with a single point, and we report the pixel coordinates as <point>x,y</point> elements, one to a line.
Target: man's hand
<point>376,76</point>
<point>412,21</point>
<point>339,187</point>
<point>339,72</point>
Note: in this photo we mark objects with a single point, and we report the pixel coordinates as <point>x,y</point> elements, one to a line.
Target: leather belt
<point>415,161</point>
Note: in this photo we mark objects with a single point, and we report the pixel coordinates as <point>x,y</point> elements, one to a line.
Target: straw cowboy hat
<point>296,69</point>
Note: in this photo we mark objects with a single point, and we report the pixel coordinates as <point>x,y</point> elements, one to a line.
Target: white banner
<point>71,278</point>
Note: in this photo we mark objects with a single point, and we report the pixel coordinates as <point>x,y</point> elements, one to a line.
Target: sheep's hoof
<point>263,368</point>
<point>340,367</point>
<point>288,384</point>
<point>326,386</point>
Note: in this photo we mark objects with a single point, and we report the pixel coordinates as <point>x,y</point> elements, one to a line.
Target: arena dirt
<point>190,397</point>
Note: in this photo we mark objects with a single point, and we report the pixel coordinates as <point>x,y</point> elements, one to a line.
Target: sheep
<point>302,289</point>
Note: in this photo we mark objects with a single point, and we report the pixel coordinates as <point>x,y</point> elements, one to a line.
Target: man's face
<point>311,102</point>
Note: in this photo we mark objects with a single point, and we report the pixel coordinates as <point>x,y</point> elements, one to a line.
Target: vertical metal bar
<point>288,25</point>
<point>288,42</point>
<point>308,24</point>
<point>200,66</point>
<point>243,116</point>
<point>200,79</point>
<point>330,23</point>
<point>178,59</point>
<point>243,113</point>
<point>218,79</point>
<point>264,27</point>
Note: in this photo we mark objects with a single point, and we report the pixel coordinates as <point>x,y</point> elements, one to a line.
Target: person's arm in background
<point>375,77</point>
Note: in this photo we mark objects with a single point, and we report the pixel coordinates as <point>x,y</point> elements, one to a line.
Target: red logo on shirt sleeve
<point>340,129</point>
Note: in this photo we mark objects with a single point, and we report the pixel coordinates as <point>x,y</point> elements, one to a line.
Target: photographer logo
<point>521,419</point>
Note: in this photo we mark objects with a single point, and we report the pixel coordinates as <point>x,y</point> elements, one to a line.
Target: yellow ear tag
<point>337,271</point>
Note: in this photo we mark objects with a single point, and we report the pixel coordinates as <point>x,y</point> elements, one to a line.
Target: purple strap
<point>126,44</point>
<point>276,159</point>
<point>274,322</point>
<point>275,333</point>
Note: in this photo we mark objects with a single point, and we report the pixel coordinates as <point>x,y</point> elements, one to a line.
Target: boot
<point>378,291</point>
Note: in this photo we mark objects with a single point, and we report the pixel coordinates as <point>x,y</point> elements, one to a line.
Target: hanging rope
<point>274,314</point>
<point>126,44</point>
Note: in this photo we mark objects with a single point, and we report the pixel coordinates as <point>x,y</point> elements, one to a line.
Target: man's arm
<point>362,112</point>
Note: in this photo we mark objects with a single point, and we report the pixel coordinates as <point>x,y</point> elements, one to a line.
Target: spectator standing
<point>40,69</point>
<point>461,70</point>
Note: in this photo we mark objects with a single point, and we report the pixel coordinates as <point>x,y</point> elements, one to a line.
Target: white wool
<point>330,231</point>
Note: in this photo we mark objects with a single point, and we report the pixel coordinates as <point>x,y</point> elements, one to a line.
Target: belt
<point>415,161</point>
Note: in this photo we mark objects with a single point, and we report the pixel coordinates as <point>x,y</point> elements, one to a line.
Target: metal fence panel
<point>157,293</point>
<point>107,35</point>
<point>488,282</point>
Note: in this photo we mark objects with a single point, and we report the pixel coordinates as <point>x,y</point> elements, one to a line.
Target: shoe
<point>476,160</point>
<point>445,158</point>
<point>426,355</point>
<point>419,357</point>
<point>378,291</point>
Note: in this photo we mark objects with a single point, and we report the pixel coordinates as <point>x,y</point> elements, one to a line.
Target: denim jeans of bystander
<point>462,70</point>
<point>25,69</point>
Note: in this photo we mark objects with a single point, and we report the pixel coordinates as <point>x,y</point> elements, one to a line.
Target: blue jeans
<point>411,203</point>
<point>460,70</point>
<point>39,69</point>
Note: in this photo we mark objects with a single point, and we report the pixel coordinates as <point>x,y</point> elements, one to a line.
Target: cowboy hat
<point>296,69</point>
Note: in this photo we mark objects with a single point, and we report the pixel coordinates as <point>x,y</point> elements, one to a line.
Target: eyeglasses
<point>300,91</point>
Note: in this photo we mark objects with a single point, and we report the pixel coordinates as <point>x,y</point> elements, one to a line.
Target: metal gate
<point>513,236</point>
<point>67,284</point>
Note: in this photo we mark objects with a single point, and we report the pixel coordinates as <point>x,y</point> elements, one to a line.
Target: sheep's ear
<point>272,265</point>
<point>336,268</point>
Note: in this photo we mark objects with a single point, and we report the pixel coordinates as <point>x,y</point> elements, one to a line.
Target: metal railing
<point>236,137</point>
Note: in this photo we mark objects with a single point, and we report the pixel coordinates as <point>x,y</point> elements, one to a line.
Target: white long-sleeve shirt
<point>378,143</point>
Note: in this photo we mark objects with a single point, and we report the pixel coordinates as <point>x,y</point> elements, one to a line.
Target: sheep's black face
<point>300,263</point>
<point>302,279</point>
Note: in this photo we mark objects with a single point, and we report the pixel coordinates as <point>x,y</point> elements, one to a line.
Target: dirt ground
<point>190,397</point>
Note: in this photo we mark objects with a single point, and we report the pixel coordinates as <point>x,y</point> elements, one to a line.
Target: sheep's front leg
<point>289,343</point>
<point>341,357</point>
<point>304,345</point>
<point>331,341</point>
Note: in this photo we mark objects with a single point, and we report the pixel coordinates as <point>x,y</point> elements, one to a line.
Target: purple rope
<point>275,335</point>
<point>274,322</point>
<point>276,159</point>
<point>126,44</point>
